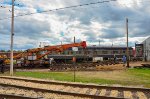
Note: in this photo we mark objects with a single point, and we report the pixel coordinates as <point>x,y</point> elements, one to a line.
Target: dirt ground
<point>120,66</point>
<point>98,68</point>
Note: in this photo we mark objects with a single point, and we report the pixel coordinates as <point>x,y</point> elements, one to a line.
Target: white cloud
<point>104,22</point>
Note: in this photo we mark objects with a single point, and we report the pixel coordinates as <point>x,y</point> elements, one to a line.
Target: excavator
<point>36,56</point>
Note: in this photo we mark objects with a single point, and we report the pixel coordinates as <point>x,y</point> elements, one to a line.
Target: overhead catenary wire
<point>125,4</point>
<point>48,11</point>
<point>62,8</point>
<point>69,7</point>
<point>59,9</point>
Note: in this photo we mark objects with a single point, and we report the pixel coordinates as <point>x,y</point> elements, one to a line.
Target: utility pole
<point>74,39</point>
<point>74,61</point>
<point>12,34</point>
<point>127,43</point>
<point>146,55</point>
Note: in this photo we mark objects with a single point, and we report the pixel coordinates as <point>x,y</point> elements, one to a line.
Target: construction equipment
<point>97,59</point>
<point>5,59</point>
<point>34,56</point>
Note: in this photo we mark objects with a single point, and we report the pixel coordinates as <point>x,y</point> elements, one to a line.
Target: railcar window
<point>115,52</point>
<point>104,52</point>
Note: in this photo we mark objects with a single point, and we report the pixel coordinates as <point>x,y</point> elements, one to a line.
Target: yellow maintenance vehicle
<point>5,59</point>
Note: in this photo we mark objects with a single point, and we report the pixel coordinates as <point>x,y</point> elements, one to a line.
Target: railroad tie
<point>128,94</point>
<point>103,92</point>
<point>108,92</point>
<point>66,88</point>
<point>21,94</point>
<point>93,91</point>
<point>74,89</point>
<point>147,94</point>
<point>98,92</point>
<point>134,95</point>
<point>120,94</point>
<point>40,97</point>
<point>70,89</point>
<point>88,91</point>
<point>62,88</point>
<point>84,90</point>
<point>114,93</point>
<point>141,95</point>
<point>79,90</point>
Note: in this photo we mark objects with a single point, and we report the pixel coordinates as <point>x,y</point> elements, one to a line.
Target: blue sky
<point>104,22</point>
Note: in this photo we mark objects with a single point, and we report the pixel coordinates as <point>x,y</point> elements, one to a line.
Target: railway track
<point>71,90</point>
<point>12,96</point>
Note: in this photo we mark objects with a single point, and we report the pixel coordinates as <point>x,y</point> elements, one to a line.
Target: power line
<point>68,7</point>
<point>63,8</point>
<point>57,9</point>
<point>97,2</point>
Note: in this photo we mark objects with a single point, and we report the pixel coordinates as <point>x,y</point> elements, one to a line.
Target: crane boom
<point>61,48</point>
<point>49,49</point>
<point>57,47</point>
<point>34,54</point>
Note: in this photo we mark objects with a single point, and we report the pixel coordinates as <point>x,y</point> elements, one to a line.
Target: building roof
<point>105,48</point>
<point>146,39</point>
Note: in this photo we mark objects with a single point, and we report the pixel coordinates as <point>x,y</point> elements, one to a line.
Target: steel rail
<point>60,92</point>
<point>12,96</point>
<point>81,85</point>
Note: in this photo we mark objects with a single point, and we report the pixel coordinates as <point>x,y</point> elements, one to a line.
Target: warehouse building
<point>146,49</point>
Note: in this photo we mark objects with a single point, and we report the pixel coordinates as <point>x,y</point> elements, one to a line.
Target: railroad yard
<point>108,82</point>
<point>78,78</point>
<point>74,49</point>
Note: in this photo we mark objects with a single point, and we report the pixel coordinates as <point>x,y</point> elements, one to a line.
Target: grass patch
<point>133,77</point>
<point>141,76</point>
<point>63,76</point>
<point>140,72</point>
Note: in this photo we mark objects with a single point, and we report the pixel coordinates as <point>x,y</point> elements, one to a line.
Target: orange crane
<point>57,48</point>
<point>35,54</point>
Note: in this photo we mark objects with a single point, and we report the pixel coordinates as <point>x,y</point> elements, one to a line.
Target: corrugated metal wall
<point>147,49</point>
